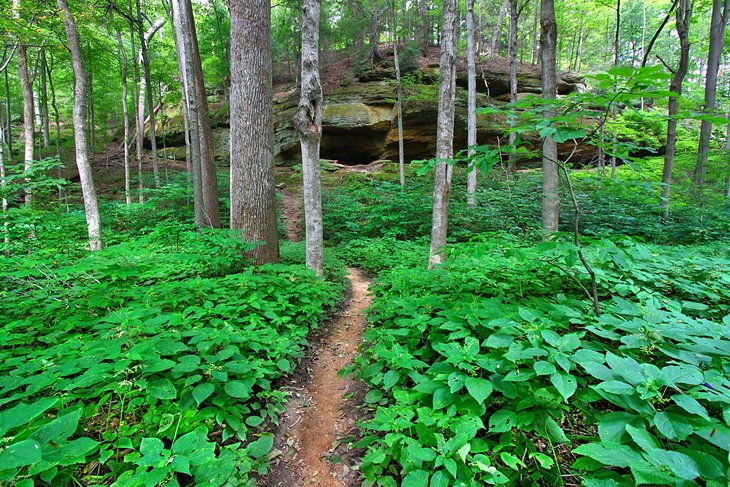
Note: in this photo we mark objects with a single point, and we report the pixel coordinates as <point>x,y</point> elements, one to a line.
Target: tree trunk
<point>8,119</point>
<point>727,151</point>
<point>512,157</point>
<point>45,122</point>
<point>551,176</point>
<point>57,125</point>
<point>138,119</point>
<point>444,136</point>
<point>684,15</point>
<point>125,115</point>
<point>495,33</point>
<point>252,133</point>
<point>616,47</point>
<point>91,206</point>
<point>536,15</point>
<point>398,100</point>
<point>720,15</point>
<point>374,32</point>
<point>26,84</point>
<point>193,73</point>
<point>146,85</point>
<point>6,238</point>
<point>425,28</point>
<point>308,121</point>
<point>471,184</point>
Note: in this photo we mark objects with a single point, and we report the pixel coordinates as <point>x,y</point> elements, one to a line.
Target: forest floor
<point>313,443</point>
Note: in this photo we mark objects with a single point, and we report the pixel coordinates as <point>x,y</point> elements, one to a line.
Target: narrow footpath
<point>312,446</point>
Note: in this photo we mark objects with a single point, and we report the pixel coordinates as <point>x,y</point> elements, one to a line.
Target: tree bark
<point>125,116</point>
<point>398,99</point>
<point>26,84</point>
<point>45,122</point>
<point>425,28</point>
<point>91,206</point>
<point>616,47</point>
<point>375,53</point>
<point>512,157</point>
<point>536,15</point>
<point>308,121</point>
<point>194,74</point>
<point>146,86</point>
<point>551,176</point>
<point>252,134</point>
<point>720,14</point>
<point>471,104</point>
<point>444,136</point>
<point>495,33</point>
<point>727,151</point>
<point>684,15</point>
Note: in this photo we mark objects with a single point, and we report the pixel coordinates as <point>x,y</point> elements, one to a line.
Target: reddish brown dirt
<point>291,206</point>
<point>312,447</point>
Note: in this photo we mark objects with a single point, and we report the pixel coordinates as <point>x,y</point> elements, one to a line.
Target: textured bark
<point>45,121</point>
<point>190,106</point>
<point>444,135</point>
<point>512,157</point>
<point>252,131</point>
<point>91,206</point>
<point>26,84</point>
<point>551,176</point>
<point>193,73</point>
<point>146,86</point>
<point>398,100</point>
<point>495,33</point>
<point>471,137</point>
<point>720,13</point>
<point>535,16</point>
<point>684,15</point>
<point>727,151</point>
<point>425,28</point>
<point>4,202</point>
<point>374,33</point>
<point>616,45</point>
<point>8,117</point>
<point>308,122</point>
<point>125,116</point>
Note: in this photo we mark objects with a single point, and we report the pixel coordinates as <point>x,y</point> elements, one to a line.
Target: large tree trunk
<point>146,85</point>
<point>125,116</point>
<point>444,136</point>
<point>551,176</point>
<point>684,15</point>
<point>720,15</point>
<point>252,133</point>
<point>512,157</point>
<point>193,73</point>
<point>91,206</point>
<point>471,137</point>
<point>398,99</point>
<point>308,121</point>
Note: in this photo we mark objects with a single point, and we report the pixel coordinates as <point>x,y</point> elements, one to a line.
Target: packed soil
<point>313,445</point>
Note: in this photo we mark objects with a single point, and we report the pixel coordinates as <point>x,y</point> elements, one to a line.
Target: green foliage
<point>491,369</point>
<point>153,361</point>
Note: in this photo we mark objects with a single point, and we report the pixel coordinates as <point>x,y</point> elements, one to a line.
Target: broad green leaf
<point>439,479</point>
<point>555,431</point>
<point>564,383</point>
<point>478,388</point>
<point>261,447</point>
<point>390,379</point>
<point>642,438</point>
<point>544,368</point>
<point>672,426</point>
<point>417,478</point>
<point>616,387</point>
<point>691,405</point>
<point>511,461</point>
<point>20,454</point>
<point>612,454</point>
<point>238,389</point>
<point>203,392</point>
<point>501,421</point>
<point>162,389</point>
<point>681,465</point>
<point>24,413</point>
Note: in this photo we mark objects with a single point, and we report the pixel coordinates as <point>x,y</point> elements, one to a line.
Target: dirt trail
<point>311,447</point>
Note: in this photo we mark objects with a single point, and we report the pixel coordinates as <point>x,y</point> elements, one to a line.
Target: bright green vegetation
<point>155,360</point>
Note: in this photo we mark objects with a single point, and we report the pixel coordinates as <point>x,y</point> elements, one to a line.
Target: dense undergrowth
<point>155,361</point>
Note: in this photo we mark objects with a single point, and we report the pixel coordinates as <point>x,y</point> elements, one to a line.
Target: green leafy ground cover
<point>494,370</point>
<point>152,362</point>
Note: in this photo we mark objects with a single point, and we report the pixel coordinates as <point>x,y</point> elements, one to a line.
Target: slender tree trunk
<point>425,28</point>
<point>138,117</point>
<point>6,236</point>
<point>308,121</point>
<point>26,84</point>
<point>144,42</point>
<point>551,176</point>
<point>720,14</point>
<point>252,134</point>
<point>684,15</point>
<point>398,100</point>
<point>125,115</point>
<point>57,125</point>
<point>536,15</point>
<point>91,206</point>
<point>91,98</point>
<point>727,151</point>
<point>512,157</point>
<point>374,32</point>
<point>497,26</point>
<point>444,136</point>
<point>8,119</point>
<point>471,69</point>
<point>198,115</point>
<point>579,52</point>
<point>616,46</point>
<point>45,122</point>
